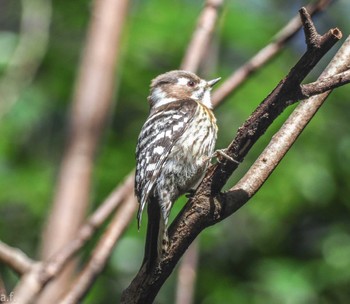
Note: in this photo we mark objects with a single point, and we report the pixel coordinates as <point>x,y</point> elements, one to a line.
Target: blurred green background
<point>289,244</point>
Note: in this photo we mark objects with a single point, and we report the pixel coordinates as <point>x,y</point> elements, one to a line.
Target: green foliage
<point>290,244</point>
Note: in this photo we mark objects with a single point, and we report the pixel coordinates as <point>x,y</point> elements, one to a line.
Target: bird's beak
<point>214,81</point>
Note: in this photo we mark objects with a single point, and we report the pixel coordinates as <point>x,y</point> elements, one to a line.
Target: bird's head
<point>180,85</point>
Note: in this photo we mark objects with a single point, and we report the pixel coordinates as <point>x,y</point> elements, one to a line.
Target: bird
<point>173,150</point>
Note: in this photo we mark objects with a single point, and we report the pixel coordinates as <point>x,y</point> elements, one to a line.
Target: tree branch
<point>266,54</point>
<point>283,139</point>
<point>102,252</point>
<point>201,36</point>
<point>275,103</point>
<point>205,208</point>
<point>54,265</point>
<point>42,273</point>
<point>15,258</point>
<point>323,85</point>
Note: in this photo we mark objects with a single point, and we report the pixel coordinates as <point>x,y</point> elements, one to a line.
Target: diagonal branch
<point>54,265</point>
<point>101,253</point>
<point>205,208</point>
<point>283,139</point>
<point>274,104</point>
<point>265,54</point>
<point>15,258</point>
<point>201,36</point>
<point>41,274</point>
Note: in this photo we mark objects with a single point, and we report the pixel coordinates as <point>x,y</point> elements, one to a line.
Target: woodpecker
<point>174,149</point>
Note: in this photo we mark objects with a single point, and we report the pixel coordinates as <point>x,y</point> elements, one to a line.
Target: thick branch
<point>274,104</point>
<point>283,139</point>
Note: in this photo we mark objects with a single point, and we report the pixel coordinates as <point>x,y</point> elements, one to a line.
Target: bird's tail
<point>157,235</point>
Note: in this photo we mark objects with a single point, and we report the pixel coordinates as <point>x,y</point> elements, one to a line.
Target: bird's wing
<point>158,135</point>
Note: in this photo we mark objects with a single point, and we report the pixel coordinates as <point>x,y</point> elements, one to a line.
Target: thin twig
<point>102,252</point>
<point>324,84</point>
<point>201,36</point>
<point>55,264</point>
<point>42,273</point>
<point>15,258</point>
<point>265,54</point>
<point>29,285</point>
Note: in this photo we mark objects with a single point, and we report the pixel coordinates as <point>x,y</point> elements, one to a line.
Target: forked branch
<point>209,206</point>
<point>251,182</point>
<point>15,258</point>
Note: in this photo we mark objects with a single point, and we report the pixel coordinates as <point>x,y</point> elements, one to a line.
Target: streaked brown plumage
<point>174,149</point>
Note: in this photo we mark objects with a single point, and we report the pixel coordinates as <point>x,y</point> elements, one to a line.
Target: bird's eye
<point>191,83</point>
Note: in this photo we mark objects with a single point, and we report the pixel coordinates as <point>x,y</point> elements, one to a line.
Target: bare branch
<point>265,54</point>
<point>274,104</point>
<point>102,252</point>
<point>323,85</point>
<point>55,264</point>
<point>283,139</point>
<point>15,258</point>
<point>205,208</point>
<point>201,36</point>
<point>29,285</point>
<point>42,273</point>
<point>281,38</point>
